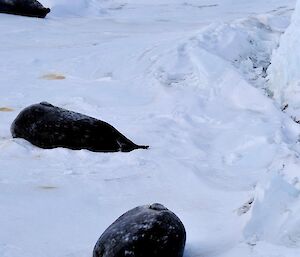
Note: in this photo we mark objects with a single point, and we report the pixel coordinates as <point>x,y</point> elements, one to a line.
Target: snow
<point>186,77</point>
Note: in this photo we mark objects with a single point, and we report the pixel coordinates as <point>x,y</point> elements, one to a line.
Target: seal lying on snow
<point>30,8</point>
<point>145,231</point>
<point>48,126</point>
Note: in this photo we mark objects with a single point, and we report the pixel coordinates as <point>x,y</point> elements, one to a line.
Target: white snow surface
<point>187,78</point>
<point>284,75</point>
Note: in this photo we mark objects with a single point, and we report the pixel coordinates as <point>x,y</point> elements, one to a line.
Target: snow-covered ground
<point>186,77</point>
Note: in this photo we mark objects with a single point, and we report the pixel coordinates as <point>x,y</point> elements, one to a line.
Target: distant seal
<point>31,8</point>
<point>48,126</point>
<point>145,231</point>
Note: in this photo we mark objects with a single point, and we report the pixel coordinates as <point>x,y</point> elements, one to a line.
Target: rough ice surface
<point>284,76</point>
<point>186,77</point>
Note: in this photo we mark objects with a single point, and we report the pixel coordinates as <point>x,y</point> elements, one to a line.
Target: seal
<point>31,8</point>
<point>145,231</point>
<point>48,126</point>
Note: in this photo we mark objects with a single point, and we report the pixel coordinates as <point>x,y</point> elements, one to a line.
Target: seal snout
<point>44,12</point>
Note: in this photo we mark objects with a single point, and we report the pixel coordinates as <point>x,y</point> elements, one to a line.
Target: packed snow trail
<point>175,75</point>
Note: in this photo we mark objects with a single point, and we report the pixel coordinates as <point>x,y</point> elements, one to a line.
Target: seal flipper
<point>142,146</point>
<point>133,147</point>
<point>129,146</point>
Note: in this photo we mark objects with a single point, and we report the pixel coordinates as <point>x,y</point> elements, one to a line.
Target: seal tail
<point>142,146</point>
<point>131,147</point>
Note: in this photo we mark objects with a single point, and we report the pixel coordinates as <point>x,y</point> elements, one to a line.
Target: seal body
<point>48,126</point>
<point>31,8</point>
<point>145,231</point>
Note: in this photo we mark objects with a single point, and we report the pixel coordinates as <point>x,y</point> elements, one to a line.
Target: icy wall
<point>284,73</point>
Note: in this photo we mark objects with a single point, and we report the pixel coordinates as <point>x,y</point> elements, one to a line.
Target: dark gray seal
<point>31,8</point>
<point>145,231</point>
<point>48,126</point>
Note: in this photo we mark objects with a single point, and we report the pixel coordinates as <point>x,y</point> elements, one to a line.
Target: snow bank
<point>246,43</point>
<point>284,73</point>
<point>273,226</point>
<point>274,216</point>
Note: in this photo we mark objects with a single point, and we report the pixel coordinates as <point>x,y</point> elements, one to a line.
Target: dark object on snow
<point>145,231</point>
<point>48,126</point>
<point>31,8</point>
